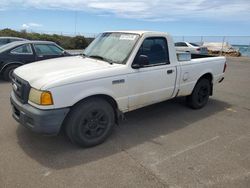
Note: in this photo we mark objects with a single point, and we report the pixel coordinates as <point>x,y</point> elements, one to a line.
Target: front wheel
<point>200,94</point>
<point>90,122</point>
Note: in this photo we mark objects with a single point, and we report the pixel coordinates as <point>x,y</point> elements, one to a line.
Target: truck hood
<point>60,71</point>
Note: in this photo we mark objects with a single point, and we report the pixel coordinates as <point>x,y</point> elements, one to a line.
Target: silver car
<point>191,47</point>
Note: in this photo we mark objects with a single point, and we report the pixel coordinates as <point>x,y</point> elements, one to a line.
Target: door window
<point>156,49</point>
<point>181,44</point>
<point>3,41</point>
<point>47,49</point>
<point>24,49</point>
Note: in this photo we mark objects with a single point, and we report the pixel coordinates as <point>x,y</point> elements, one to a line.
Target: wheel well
<point>209,77</point>
<point>8,65</point>
<point>108,98</point>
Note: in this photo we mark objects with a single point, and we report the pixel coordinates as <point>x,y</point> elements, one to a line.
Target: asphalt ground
<point>163,145</point>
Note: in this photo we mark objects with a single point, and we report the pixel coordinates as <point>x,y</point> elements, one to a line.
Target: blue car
<point>19,53</point>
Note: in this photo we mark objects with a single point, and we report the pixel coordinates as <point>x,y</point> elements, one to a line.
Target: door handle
<point>170,71</point>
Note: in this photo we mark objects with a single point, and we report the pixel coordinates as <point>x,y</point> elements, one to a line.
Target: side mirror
<point>64,52</point>
<point>141,62</point>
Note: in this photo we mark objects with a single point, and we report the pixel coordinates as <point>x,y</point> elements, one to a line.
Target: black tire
<point>200,94</point>
<point>7,73</point>
<point>90,122</point>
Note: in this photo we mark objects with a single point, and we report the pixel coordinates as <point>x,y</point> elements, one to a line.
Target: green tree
<point>67,42</point>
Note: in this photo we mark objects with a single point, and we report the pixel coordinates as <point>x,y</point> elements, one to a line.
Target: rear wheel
<point>90,122</point>
<point>7,73</point>
<point>200,94</point>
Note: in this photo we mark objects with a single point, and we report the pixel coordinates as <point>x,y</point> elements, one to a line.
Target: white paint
<point>71,79</point>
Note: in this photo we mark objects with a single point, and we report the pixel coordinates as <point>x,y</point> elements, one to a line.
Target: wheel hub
<point>94,124</point>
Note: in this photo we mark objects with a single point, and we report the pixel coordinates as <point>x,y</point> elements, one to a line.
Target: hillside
<point>67,42</point>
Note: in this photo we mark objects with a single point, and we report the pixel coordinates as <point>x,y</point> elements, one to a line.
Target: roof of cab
<point>139,32</point>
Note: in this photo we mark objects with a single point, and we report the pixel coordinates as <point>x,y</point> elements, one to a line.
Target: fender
<point>187,89</point>
<point>10,63</point>
<point>207,71</point>
<point>202,75</point>
<point>79,94</point>
<point>92,92</point>
<point>122,102</point>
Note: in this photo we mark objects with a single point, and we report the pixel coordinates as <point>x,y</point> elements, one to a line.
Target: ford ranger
<point>119,72</point>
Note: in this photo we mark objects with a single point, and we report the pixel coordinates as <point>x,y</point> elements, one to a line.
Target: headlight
<point>40,97</point>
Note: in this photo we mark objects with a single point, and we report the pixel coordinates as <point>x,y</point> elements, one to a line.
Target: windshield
<point>112,47</point>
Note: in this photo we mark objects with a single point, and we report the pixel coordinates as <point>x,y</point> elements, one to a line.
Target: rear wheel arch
<point>209,77</point>
<point>7,70</point>
<point>6,65</point>
<point>200,94</point>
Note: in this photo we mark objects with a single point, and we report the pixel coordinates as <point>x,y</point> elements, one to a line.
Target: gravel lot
<point>164,145</point>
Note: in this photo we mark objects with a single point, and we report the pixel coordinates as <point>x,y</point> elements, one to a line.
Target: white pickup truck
<point>119,72</point>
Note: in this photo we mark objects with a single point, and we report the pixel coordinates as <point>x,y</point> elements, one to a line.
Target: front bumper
<point>40,121</point>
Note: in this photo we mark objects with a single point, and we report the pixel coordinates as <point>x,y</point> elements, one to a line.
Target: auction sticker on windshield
<point>127,37</point>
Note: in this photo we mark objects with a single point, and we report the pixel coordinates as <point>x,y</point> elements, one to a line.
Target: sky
<point>178,17</point>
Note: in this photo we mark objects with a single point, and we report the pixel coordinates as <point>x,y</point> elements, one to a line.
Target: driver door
<point>154,82</point>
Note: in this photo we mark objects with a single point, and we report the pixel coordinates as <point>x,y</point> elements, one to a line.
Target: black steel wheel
<point>94,124</point>
<point>89,123</point>
<point>200,94</point>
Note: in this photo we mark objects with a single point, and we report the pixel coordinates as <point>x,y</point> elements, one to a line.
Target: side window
<point>177,44</point>
<point>24,49</point>
<point>47,49</point>
<point>156,49</point>
<point>181,44</point>
<point>3,41</point>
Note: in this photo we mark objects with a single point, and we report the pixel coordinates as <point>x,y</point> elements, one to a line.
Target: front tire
<point>7,73</point>
<point>200,94</point>
<point>90,122</point>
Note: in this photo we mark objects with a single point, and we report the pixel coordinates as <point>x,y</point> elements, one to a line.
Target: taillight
<point>225,67</point>
<point>198,49</point>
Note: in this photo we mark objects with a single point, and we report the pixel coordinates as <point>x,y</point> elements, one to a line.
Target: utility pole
<point>222,47</point>
<point>75,22</point>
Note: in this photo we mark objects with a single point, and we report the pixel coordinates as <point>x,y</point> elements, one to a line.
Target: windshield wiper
<point>101,58</point>
<point>97,57</point>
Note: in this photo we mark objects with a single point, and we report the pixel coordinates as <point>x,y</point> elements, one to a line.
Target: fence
<point>241,43</point>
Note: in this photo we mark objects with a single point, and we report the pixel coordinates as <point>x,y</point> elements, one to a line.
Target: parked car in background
<point>6,40</point>
<point>190,47</point>
<point>15,54</point>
